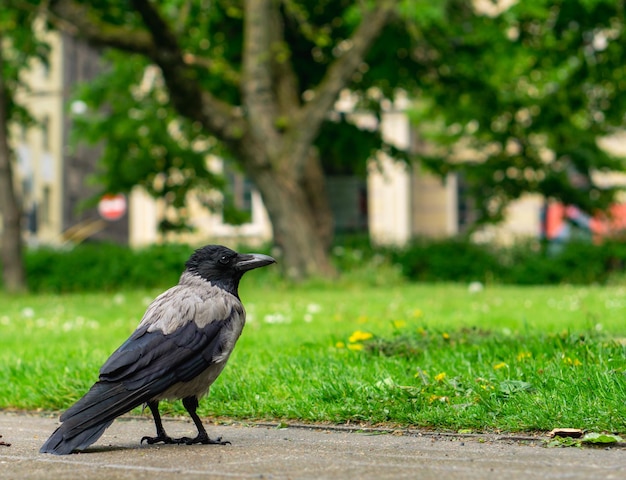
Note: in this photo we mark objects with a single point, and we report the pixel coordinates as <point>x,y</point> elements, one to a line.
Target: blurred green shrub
<point>110,267</point>
<point>104,266</point>
<point>525,263</point>
<point>451,259</point>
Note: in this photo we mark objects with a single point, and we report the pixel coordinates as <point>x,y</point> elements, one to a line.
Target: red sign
<point>112,207</point>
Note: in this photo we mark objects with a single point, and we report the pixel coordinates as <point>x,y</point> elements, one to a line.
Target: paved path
<point>294,453</point>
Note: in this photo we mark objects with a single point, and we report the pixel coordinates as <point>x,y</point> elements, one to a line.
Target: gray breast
<point>199,386</point>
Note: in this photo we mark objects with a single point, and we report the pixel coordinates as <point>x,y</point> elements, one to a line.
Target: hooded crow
<point>177,351</point>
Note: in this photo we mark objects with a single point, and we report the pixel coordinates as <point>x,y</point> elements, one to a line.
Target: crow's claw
<point>160,438</point>
<point>203,439</point>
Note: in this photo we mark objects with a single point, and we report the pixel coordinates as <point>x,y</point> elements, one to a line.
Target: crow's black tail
<point>85,421</point>
<point>60,443</point>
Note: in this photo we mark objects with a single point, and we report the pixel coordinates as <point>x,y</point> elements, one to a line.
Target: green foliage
<point>526,93</point>
<point>147,142</point>
<point>20,49</point>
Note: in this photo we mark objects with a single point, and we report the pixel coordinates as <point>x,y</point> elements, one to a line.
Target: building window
<point>44,207</point>
<point>45,133</point>
<point>466,209</point>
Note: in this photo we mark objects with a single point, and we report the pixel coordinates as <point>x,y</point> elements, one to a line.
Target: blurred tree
<point>258,76</point>
<point>517,99</point>
<point>17,46</point>
<point>528,89</point>
<point>12,265</point>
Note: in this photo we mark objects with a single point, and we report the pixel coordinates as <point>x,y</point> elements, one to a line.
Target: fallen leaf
<point>511,387</point>
<point>602,438</point>
<point>566,432</point>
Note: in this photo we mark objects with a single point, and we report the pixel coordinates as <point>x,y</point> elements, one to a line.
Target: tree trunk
<point>12,263</point>
<point>314,186</point>
<point>303,245</point>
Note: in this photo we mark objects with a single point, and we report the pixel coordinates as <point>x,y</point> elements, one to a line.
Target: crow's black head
<point>224,267</point>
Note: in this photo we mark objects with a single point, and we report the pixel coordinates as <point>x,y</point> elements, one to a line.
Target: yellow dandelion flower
<point>573,362</point>
<point>500,365</point>
<point>355,346</point>
<point>438,398</point>
<point>359,336</point>
<point>445,335</point>
<point>417,313</point>
<point>399,323</point>
<point>523,356</point>
<point>340,345</point>
<point>440,376</point>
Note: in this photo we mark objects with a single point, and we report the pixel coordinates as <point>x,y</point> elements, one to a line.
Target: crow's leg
<point>191,404</point>
<point>161,436</point>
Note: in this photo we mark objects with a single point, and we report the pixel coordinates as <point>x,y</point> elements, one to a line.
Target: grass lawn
<point>435,356</point>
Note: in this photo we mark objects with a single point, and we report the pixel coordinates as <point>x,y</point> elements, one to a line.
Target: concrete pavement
<point>295,453</point>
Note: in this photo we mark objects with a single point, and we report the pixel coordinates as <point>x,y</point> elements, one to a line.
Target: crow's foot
<point>203,439</point>
<point>159,438</point>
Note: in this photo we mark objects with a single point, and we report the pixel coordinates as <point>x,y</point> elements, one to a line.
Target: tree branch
<point>87,25</point>
<point>313,113</point>
<point>258,94</point>
<point>285,79</point>
<point>159,44</point>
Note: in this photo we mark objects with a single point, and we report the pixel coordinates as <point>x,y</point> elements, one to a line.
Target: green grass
<point>502,359</point>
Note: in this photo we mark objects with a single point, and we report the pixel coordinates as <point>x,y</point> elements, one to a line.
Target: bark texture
<point>13,273</point>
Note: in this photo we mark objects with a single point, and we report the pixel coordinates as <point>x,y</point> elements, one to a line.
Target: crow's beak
<point>253,260</point>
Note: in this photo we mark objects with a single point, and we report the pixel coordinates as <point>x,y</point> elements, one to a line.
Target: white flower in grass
<point>313,308</point>
<point>275,318</point>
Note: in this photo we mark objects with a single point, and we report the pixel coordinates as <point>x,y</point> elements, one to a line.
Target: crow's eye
<point>225,260</point>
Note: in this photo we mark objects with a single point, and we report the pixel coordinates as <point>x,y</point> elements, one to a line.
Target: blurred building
<point>53,181</point>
